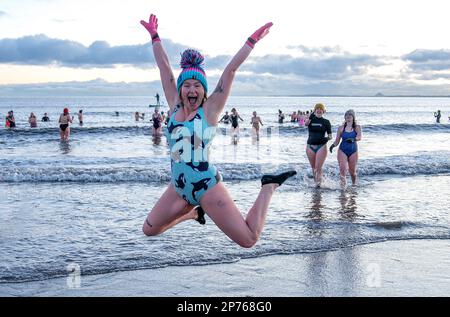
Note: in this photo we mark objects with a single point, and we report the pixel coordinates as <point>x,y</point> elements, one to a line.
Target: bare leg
<point>221,208</point>
<point>352,164</point>
<point>67,134</point>
<point>168,211</point>
<point>61,134</point>
<point>234,135</point>
<point>321,155</point>
<point>312,160</point>
<point>342,159</point>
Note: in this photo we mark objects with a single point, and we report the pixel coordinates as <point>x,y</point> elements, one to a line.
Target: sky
<point>325,47</point>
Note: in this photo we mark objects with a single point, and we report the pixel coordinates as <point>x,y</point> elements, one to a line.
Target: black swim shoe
<point>277,179</point>
<point>200,215</point>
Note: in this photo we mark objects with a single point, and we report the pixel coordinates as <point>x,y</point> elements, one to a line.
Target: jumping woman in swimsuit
<point>193,120</point>
<point>316,149</point>
<point>348,134</point>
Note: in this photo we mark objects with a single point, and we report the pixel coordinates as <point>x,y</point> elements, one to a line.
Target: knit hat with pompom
<point>191,63</point>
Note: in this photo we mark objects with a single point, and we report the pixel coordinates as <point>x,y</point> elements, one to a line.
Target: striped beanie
<point>191,63</point>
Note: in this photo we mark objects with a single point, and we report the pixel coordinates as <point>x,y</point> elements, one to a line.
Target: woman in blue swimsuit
<point>190,130</point>
<point>347,135</point>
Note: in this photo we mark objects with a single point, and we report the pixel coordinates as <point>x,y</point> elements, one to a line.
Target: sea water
<point>84,202</point>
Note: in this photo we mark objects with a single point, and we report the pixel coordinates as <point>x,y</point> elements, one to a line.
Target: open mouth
<point>192,100</point>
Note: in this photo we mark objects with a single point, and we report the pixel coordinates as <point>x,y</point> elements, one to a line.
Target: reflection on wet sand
<point>347,199</point>
<point>338,272</point>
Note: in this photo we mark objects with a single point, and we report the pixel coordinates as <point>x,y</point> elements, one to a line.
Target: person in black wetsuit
<point>280,116</point>
<point>316,149</point>
<point>437,115</point>
<point>45,118</point>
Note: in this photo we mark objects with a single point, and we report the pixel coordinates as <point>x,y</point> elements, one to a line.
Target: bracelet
<point>250,42</point>
<point>155,38</point>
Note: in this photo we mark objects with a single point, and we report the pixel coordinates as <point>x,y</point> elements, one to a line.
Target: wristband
<point>251,42</point>
<point>155,38</point>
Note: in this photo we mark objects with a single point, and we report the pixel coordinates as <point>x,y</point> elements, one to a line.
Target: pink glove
<point>152,27</point>
<point>259,34</point>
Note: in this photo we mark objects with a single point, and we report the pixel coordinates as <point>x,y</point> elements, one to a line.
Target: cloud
<point>42,50</point>
<point>3,14</point>
<point>431,60</point>
<point>97,87</point>
<point>323,50</point>
<point>323,62</point>
<point>64,20</point>
<point>334,67</point>
<point>318,70</point>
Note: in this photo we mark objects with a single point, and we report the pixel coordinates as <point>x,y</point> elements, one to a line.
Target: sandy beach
<point>394,268</point>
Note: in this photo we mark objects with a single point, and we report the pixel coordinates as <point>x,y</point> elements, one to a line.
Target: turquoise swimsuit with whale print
<point>189,142</point>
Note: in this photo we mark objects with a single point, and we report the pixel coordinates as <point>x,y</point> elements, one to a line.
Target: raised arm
<point>216,102</point>
<point>308,120</point>
<point>165,71</point>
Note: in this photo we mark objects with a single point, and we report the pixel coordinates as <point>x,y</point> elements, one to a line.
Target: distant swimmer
<point>316,149</point>
<point>256,121</point>
<point>157,99</point>
<point>226,118</point>
<point>196,185</point>
<point>10,120</point>
<point>117,113</point>
<point>137,116</point>
<point>301,119</point>
<point>234,117</point>
<point>80,117</point>
<point>281,116</point>
<point>7,124</point>
<point>437,115</point>
<point>293,116</point>
<point>347,135</point>
<point>157,123</point>
<point>64,129</point>
<point>45,118</point>
<point>32,120</point>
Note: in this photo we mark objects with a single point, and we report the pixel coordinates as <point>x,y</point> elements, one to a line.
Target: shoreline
<point>391,268</point>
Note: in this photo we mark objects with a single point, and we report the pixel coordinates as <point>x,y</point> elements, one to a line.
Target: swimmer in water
<point>256,121</point>
<point>347,135</point>
<point>64,128</point>
<point>316,149</point>
<point>226,118</point>
<point>157,123</point>
<point>32,120</point>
